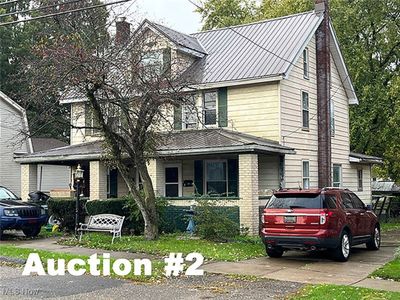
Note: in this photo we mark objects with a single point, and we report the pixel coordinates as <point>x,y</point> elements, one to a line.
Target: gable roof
<point>42,144</point>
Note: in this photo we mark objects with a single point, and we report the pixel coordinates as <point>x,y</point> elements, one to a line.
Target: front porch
<point>216,163</point>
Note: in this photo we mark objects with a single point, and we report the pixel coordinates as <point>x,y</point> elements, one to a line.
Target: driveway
<point>315,267</point>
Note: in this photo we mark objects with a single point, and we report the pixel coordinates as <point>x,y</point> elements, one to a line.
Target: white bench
<point>103,223</point>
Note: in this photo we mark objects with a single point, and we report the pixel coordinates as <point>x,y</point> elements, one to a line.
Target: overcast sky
<point>177,14</point>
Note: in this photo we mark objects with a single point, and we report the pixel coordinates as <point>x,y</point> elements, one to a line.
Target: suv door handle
<point>361,214</point>
<point>348,214</point>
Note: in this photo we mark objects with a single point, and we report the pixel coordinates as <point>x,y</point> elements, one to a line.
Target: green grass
<point>23,253</point>
<point>341,292</point>
<point>390,270</point>
<point>239,249</point>
<point>390,226</point>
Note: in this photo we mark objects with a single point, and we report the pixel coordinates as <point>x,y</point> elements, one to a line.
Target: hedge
<point>64,210</point>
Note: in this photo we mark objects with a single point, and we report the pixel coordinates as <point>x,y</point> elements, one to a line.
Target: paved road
<point>14,286</point>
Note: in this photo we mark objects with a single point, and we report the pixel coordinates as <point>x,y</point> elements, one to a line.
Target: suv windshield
<point>301,201</point>
<point>7,195</point>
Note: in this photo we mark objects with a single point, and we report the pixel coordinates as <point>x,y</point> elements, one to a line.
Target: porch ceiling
<point>178,143</point>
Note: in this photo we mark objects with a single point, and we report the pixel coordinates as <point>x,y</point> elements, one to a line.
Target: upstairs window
<point>189,114</point>
<point>337,175</point>
<point>360,180</point>
<point>92,125</point>
<point>305,64</point>
<point>210,108</point>
<point>157,62</point>
<point>306,174</point>
<point>305,110</point>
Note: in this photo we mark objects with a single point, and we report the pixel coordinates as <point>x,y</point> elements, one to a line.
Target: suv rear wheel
<point>342,252</point>
<point>375,242</point>
<point>275,252</point>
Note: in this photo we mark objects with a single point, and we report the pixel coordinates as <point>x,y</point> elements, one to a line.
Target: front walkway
<point>317,268</point>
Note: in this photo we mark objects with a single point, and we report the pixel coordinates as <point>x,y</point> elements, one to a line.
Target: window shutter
<point>178,118</point>
<point>233,177</point>
<point>198,177</point>
<point>88,119</point>
<point>223,107</point>
<point>167,61</point>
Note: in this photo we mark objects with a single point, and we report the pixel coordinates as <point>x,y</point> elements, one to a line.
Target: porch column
<point>157,175</point>
<point>248,192</point>
<point>98,180</point>
<point>28,180</point>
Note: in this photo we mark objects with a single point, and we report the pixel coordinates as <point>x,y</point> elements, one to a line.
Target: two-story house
<point>257,93</point>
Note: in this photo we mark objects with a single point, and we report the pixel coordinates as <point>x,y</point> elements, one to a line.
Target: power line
<point>64,12</point>
<point>38,8</point>
<point>8,2</point>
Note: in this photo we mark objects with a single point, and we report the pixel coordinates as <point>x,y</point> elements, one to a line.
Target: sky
<point>177,14</point>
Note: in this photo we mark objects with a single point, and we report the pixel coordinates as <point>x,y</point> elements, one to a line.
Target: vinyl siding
<point>305,143</point>
<point>78,135</point>
<point>254,109</point>
<point>53,177</point>
<point>12,140</point>
<point>268,173</point>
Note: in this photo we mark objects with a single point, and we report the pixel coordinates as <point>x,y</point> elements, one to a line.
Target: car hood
<point>15,203</point>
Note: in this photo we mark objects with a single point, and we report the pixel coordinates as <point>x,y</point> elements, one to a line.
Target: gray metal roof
<point>384,186</point>
<point>178,143</point>
<point>179,38</point>
<point>256,50</point>
<point>362,158</point>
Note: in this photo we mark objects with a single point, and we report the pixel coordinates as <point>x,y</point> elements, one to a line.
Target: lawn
<point>390,226</point>
<point>391,270</point>
<point>23,253</point>
<point>341,292</point>
<point>238,249</point>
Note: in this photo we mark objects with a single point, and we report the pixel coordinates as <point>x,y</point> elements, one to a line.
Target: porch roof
<point>364,159</point>
<point>177,143</point>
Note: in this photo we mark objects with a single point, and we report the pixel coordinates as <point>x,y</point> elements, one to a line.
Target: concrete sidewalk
<point>314,268</point>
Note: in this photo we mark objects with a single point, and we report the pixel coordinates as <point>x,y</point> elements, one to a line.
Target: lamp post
<point>78,180</point>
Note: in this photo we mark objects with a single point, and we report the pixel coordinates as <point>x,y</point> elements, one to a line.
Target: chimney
<point>324,96</point>
<point>123,31</point>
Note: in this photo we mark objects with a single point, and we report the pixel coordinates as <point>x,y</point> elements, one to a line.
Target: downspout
<point>323,96</point>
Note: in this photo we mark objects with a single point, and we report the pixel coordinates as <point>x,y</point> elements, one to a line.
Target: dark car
<point>16,214</point>
<point>320,219</point>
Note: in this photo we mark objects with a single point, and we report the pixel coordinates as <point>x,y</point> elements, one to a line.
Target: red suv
<point>318,219</point>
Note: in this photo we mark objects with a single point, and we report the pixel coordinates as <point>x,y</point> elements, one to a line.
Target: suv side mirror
<point>368,207</point>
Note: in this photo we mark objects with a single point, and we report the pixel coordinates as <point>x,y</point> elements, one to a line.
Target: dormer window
<point>157,61</point>
<point>306,66</point>
<point>210,108</point>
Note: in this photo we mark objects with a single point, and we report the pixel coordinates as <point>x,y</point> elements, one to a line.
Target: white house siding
<point>11,140</point>
<point>53,177</point>
<point>78,134</point>
<point>254,109</point>
<point>305,143</point>
<point>268,173</point>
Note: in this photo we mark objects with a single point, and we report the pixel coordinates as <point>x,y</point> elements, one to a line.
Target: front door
<point>173,181</point>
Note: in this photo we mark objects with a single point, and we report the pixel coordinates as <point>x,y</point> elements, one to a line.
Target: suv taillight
<point>323,218</point>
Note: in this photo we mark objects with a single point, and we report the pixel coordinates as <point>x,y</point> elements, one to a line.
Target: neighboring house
<point>257,96</point>
<point>13,139</point>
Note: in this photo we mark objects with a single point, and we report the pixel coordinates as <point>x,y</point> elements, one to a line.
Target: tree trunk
<point>150,225</point>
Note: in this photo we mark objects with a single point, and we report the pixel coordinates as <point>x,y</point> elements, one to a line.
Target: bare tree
<point>131,87</point>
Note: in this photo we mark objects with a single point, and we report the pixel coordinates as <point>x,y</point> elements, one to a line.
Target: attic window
<point>306,66</point>
<point>157,62</point>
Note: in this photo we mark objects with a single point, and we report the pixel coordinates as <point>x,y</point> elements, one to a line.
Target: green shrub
<point>64,211</point>
<point>213,222</point>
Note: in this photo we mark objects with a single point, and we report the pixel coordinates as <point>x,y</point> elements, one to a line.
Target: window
<point>306,174</point>
<point>337,175</point>
<point>360,179</point>
<point>189,114</point>
<point>210,108</point>
<point>329,201</point>
<point>305,63</point>
<point>305,110</point>
<point>172,181</point>
<point>346,201</point>
<point>357,203</point>
<point>216,178</point>
<point>157,62</point>
<point>91,123</point>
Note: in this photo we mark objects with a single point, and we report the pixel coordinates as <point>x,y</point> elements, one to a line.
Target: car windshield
<point>7,195</point>
<point>294,201</point>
